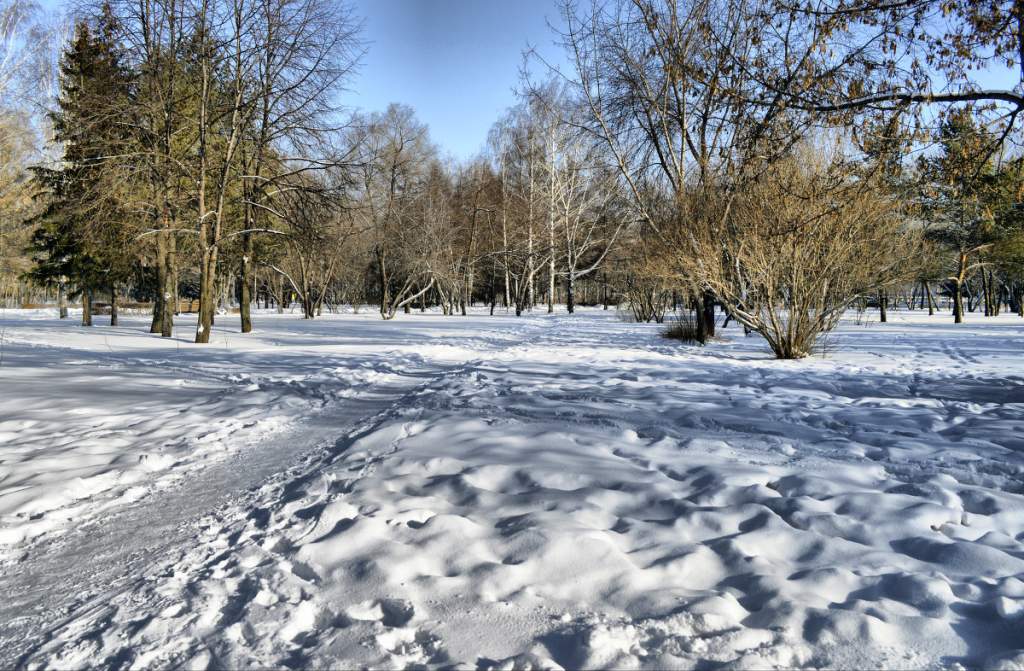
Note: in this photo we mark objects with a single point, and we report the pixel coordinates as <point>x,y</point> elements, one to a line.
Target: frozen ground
<point>485,492</point>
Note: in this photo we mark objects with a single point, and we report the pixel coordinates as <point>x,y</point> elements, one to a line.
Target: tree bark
<point>245,295</point>
<point>958,292</point>
<point>995,291</point>
<point>385,298</point>
<point>883,304</point>
<point>169,288</point>
<point>207,294</point>
<point>157,325</point>
<point>87,307</point>
<point>113,305</point>
<point>958,303</point>
<point>986,294</point>
<point>706,318</point>
<point>62,301</point>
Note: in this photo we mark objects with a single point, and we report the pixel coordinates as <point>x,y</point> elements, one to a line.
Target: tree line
<point>779,160</point>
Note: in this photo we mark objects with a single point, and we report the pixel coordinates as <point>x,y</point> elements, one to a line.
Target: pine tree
<point>959,182</point>
<point>83,230</point>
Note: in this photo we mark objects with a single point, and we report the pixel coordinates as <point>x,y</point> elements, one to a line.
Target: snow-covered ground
<point>543,492</point>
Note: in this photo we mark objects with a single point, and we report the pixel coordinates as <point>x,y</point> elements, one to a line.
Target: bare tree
<point>319,226</point>
<point>522,145</point>
<point>673,91</point>
<point>307,51</point>
<point>233,96</point>
<point>394,174</point>
<point>802,244</point>
<point>903,57</point>
<point>29,50</point>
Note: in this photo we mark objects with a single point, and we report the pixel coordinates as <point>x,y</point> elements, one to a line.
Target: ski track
<point>574,492</point>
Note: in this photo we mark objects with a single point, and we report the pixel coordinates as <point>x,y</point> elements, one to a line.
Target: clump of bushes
<point>686,329</point>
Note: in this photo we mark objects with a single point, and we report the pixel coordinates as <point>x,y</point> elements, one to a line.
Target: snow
<point>491,492</point>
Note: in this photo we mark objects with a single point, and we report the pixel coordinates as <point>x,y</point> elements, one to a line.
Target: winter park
<point>556,334</point>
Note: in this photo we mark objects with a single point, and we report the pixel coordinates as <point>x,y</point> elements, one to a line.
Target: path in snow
<point>78,573</point>
<point>575,492</point>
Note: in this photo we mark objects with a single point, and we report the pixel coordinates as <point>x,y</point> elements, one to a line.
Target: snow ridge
<point>574,492</point>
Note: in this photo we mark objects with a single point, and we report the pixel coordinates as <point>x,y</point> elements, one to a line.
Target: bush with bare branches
<point>789,251</point>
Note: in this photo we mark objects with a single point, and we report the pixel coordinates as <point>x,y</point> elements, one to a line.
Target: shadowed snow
<point>544,492</point>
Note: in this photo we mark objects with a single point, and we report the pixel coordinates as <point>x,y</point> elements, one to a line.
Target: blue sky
<point>454,61</point>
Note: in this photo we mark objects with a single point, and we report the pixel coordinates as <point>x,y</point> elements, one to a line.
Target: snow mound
<point>580,494</point>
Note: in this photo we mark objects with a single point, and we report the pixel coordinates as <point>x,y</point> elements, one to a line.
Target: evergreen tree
<point>959,183</point>
<point>1007,253</point>
<point>83,232</point>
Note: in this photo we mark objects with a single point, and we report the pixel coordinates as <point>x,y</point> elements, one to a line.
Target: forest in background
<point>782,160</point>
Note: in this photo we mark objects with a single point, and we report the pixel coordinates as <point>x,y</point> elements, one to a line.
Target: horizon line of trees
<point>783,160</point>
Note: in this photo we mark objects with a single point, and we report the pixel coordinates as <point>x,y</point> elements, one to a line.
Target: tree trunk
<point>958,302</point>
<point>958,289</point>
<point>173,309</point>
<point>986,295</point>
<point>972,296</point>
<point>570,293</point>
<point>246,274</point>
<point>931,301</point>
<point>207,294</point>
<point>382,277</point>
<point>883,304</point>
<point>167,291</point>
<point>493,292</point>
<point>706,318</point>
<point>279,298</point>
<point>113,306</point>
<point>161,284</point>
<point>87,307</point>
<point>62,301</point>
<point>995,290</point>
<point>551,228</point>
<point>530,300</point>
<point>157,325</point>
<point>170,289</point>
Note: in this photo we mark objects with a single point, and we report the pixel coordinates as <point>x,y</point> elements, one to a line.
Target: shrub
<point>685,328</point>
